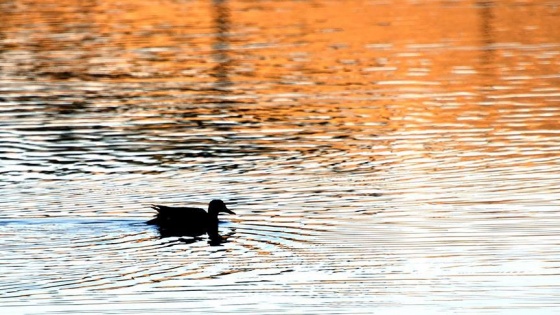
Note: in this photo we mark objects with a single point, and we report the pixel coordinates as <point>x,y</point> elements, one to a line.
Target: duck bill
<point>226,210</point>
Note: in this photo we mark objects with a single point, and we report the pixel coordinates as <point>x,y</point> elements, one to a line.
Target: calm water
<point>382,156</point>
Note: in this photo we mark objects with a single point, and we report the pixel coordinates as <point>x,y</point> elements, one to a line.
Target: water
<point>381,156</point>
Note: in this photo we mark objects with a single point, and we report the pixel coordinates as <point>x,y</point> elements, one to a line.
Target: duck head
<point>217,206</point>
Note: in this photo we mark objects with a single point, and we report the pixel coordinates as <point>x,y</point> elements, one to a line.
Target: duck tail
<point>154,221</point>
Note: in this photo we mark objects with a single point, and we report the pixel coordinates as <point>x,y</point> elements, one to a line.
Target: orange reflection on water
<point>322,69</point>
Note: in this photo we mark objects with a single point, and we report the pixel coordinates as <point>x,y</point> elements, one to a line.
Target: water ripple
<point>376,159</point>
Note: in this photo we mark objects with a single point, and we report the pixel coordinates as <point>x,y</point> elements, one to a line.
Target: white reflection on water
<point>297,244</point>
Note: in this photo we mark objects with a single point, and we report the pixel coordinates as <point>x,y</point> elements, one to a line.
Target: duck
<point>187,221</point>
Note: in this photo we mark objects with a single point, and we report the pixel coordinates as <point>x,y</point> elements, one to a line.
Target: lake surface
<point>381,156</point>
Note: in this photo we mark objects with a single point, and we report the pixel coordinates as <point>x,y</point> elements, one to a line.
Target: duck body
<point>180,216</point>
<point>181,221</point>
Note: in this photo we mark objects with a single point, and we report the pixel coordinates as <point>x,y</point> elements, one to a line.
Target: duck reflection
<point>191,222</point>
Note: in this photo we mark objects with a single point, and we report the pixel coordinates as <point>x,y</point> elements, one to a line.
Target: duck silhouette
<point>186,221</point>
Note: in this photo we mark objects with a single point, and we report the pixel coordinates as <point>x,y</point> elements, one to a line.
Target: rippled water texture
<point>382,156</point>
